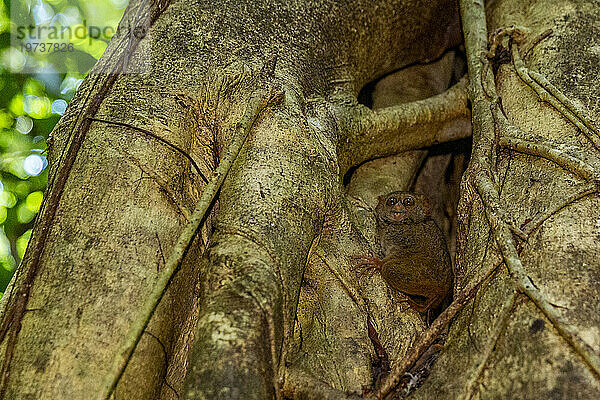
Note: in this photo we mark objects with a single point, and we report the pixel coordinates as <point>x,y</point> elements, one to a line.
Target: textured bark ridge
<point>264,303</point>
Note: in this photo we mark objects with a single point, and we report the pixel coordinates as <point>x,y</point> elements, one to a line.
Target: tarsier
<point>415,259</point>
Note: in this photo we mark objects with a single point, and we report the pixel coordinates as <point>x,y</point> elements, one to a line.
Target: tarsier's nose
<point>398,209</point>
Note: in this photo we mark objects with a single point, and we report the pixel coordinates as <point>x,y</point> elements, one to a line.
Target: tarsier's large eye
<point>392,201</point>
<point>408,201</point>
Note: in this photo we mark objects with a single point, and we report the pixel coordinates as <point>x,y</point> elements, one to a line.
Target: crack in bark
<point>164,350</point>
<point>160,139</point>
<point>159,180</point>
<point>587,189</point>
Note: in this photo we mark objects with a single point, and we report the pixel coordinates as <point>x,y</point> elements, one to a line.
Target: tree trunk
<point>264,303</point>
<point>512,341</point>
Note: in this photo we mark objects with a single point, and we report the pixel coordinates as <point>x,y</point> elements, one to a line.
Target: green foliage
<point>36,89</point>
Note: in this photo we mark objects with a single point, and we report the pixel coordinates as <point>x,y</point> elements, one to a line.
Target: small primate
<point>415,259</point>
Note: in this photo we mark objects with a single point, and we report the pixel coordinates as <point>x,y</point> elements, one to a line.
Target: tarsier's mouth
<point>398,214</point>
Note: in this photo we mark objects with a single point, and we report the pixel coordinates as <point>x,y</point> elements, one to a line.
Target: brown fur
<point>415,259</point>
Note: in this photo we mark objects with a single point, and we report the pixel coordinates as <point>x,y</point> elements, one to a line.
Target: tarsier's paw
<point>365,264</point>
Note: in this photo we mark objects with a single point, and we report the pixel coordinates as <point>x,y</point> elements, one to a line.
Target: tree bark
<point>535,341</point>
<point>264,303</point>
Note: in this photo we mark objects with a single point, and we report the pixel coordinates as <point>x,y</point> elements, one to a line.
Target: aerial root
<point>160,181</point>
<point>489,193</point>
<point>550,152</point>
<point>568,157</point>
<point>522,281</point>
<point>409,126</point>
<point>551,95</point>
<point>158,138</point>
<point>585,189</point>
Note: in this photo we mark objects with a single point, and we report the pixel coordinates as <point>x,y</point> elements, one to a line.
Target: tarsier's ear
<point>426,207</point>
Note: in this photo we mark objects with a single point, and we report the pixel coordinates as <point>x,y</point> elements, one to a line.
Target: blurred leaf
<point>4,19</point>
<point>21,189</point>
<point>7,199</point>
<point>35,87</point>
<point>22,243</point>
<point>37,107</point>
<point>16,105</point>
<point>6,119</point>
<point>24,214</point>
<point>34,201</point>
<point>7,262</point>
